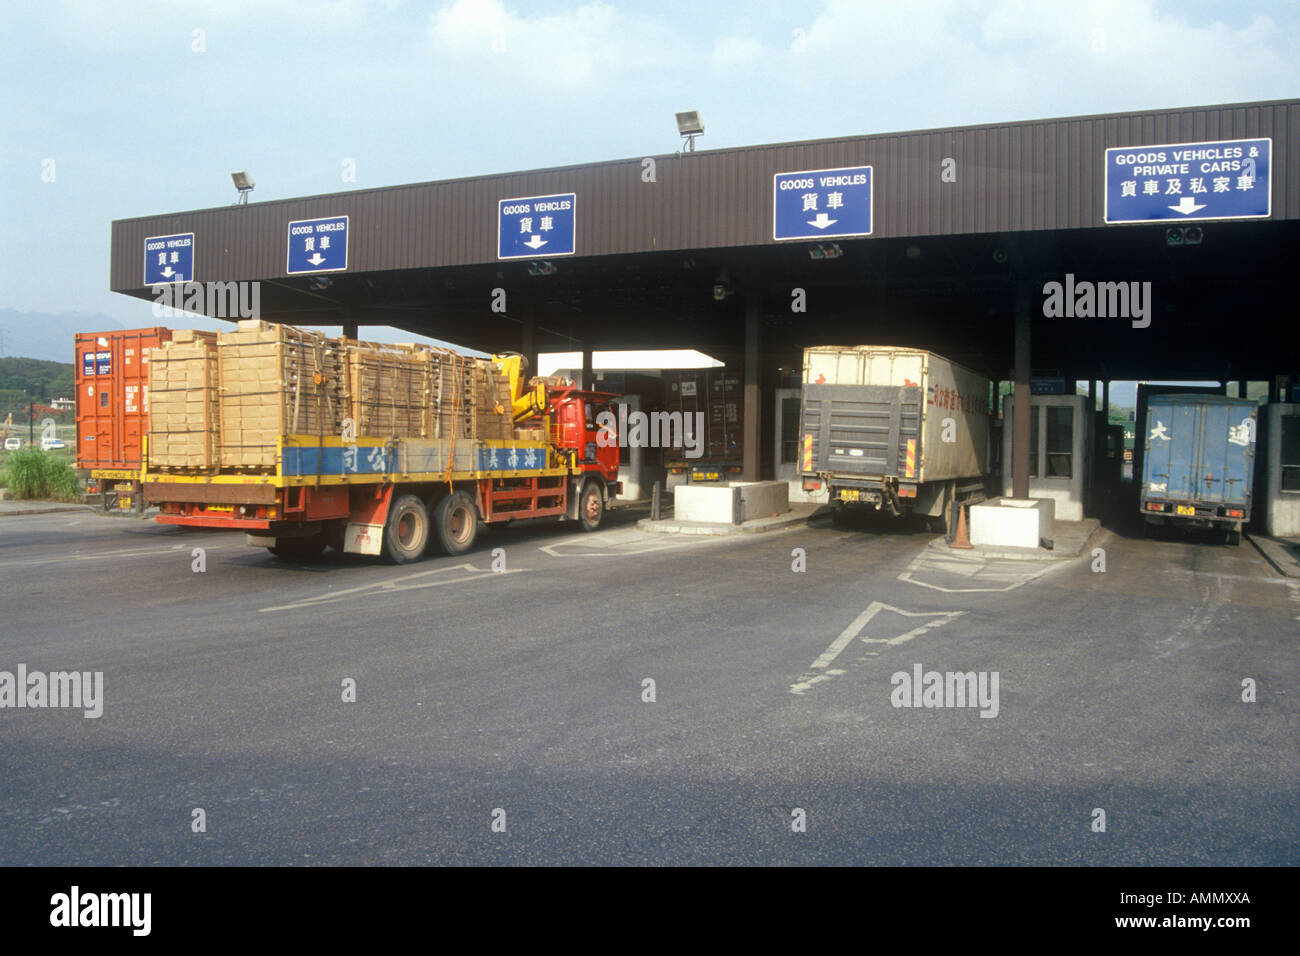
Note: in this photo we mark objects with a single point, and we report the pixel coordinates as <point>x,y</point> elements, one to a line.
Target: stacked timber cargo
<point>414,391</point>
<point>276,380</point>
<point>184,407</point>
<point>224,401</point>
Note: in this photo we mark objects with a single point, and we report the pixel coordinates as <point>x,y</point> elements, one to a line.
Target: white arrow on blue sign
<point>536,226</point>
<point>169,259</point>
<point>822,203</point>
<point>318,245</point>
<point>1224,179</point>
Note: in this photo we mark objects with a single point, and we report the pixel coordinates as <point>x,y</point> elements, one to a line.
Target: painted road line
<point>837,646</point>
<point>998,574</point>
<point>117,553</point>
<point>410,582</point>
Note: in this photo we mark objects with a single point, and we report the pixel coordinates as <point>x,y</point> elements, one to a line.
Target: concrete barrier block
<point>762,499</point>
<point>704,503</point>
<point>1013,523</point>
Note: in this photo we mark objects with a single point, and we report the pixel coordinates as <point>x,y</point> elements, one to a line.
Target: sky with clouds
<point>114,110</point>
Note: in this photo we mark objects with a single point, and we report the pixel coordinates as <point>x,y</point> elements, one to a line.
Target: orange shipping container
<point>112,374</point>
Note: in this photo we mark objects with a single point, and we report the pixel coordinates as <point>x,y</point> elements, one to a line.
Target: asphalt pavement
<point>625,697</point>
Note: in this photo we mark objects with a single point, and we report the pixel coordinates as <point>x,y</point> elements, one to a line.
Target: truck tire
<point>840,516</point>
<point>298,549</point>
<point>591,506</point>
<point>406,533</point>
<point>456,523</point>
<point>1233,537</point>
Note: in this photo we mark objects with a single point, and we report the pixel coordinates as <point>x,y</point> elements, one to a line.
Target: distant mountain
<point>47,335</point>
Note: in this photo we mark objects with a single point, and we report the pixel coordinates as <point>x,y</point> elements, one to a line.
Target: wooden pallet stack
<point>222,401</point>
<point>184,425</point>
<point>415,391</point>
<point>387,390</point>
<point>277,380</point>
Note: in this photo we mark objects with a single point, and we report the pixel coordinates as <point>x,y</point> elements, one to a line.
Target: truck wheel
<point>937,524</point>
<point>591,506</point>
<point>839,516</point>
<point>298,549</point>
<point>456,519</point>
<point>1233,537</point>
<point>406,533</point>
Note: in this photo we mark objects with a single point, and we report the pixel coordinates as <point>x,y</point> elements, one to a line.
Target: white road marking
<point>410,582</point>
<point>615,540</point>
<point>117,553</point>
<point>993,570</point>
<point>846,636</point>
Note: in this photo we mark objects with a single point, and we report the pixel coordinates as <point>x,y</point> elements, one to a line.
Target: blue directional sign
<point>1225,179</point>
<point>318,245</point>
<point>536,226</point>
<point>169,259</point>
<point>822,203</point>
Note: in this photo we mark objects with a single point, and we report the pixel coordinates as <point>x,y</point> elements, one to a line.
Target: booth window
<point>1033,440</point>
<point>1060,441</point>
<point>1291,452</point>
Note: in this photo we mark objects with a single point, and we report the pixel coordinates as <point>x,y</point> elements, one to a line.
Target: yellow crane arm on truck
<point>527,402</point>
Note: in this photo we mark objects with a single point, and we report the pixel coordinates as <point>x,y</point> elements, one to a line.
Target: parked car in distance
<point>13,444</point>
<point>50,443</point>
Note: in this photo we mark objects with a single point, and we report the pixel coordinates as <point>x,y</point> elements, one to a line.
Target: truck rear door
<point>1225,440</point>
<point>867,431</point>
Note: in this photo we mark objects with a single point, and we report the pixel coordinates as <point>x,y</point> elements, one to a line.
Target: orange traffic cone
<point>962,539</point>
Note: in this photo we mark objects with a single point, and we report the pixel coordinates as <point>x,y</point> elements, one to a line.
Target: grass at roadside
<point>34,474</point>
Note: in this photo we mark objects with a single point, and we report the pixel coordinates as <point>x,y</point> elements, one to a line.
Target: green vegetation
<point>37,474</point>
<point>42,380</point>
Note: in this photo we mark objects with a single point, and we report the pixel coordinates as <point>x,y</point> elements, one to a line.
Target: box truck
<point>900,430</point>
<point>1198,462</point>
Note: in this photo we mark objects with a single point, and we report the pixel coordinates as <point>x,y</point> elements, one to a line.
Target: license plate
<point>1184,510</point>
<point>228,509</point>
<point>705,476</point>
<point>850,494</point>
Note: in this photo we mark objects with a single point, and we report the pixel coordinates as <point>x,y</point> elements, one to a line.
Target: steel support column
<point>1020,399</point>
<point>753,326</point>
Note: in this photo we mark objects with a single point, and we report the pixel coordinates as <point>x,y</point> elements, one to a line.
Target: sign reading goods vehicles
<point>318,245</point>
<point>536,226</point>
<point>1224,179</point>
<point>822,203</point>
<point>169,259</point>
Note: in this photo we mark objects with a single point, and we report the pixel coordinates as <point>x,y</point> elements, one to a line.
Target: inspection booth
<point>1060,444</point>
<point>1276,504</point>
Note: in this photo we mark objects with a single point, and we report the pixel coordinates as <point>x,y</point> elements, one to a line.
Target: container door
<point>1228,446</point>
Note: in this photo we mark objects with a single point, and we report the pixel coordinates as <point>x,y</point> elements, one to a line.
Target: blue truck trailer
<point>1198,462</point>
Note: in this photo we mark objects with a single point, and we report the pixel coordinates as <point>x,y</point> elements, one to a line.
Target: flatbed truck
<point>402,497</point>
